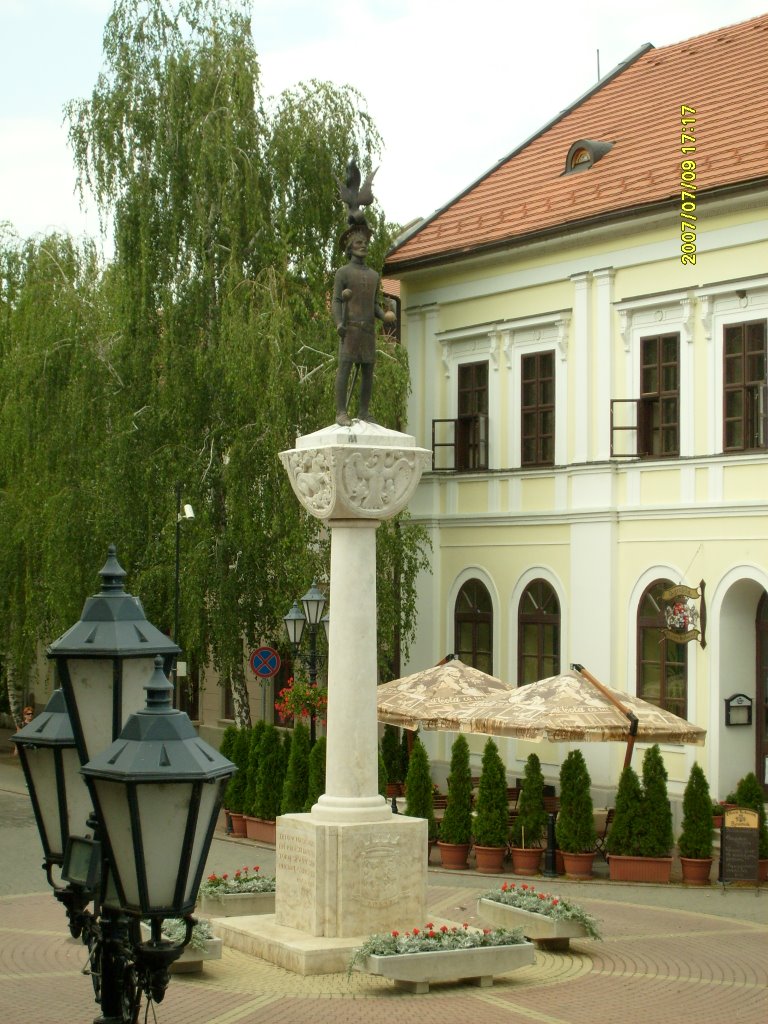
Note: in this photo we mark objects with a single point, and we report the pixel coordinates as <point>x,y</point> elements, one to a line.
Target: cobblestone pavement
<point>695,957</point>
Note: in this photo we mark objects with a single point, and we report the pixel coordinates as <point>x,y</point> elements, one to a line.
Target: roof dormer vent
<point>584,153</point>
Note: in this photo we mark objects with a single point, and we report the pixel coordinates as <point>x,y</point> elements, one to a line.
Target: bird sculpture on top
<point>354,194</point>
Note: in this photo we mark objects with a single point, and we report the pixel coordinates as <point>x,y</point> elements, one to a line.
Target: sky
<point>453,85</point>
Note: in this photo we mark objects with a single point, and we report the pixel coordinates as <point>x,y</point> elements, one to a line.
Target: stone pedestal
<point>343,880</point>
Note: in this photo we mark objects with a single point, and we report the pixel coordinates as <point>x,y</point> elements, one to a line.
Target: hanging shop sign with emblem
<point>685,621</point>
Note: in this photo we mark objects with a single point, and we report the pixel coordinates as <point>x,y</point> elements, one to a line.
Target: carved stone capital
<point>363,471</point>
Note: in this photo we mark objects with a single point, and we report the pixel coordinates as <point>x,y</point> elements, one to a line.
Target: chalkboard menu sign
<point>739,842</point>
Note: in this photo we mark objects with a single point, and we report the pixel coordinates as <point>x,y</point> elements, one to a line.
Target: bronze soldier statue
<point>355,307</point>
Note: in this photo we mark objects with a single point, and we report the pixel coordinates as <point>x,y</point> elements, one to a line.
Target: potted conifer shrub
<point>575,826</point>
<point>297,774</point>
<point>390,752</point>
<point>269,784</point>
<point>491,821</point>
<point>749,794</point>
<point>418,791</point>
<point>226,749</point>
<point>236,787</point>
<point>456,826</point>
<point>251,774</point>
<point>640,848</point>
<point>695,842</point>
<point>316,782</point>
<point>530,822</point>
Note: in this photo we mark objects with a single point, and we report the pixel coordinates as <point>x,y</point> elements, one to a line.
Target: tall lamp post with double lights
<point>182,514</point>
<point>311,618</point>
<point>155,787</point>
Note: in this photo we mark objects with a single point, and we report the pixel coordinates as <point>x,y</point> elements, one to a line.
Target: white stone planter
<point>545,932</point>
<point>237,904</point>
<point>191,960</point>
<point>415,971</point>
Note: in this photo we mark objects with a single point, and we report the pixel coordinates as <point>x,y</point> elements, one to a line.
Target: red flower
<point>256,868</point>
<point>542,896</point>
<point>504,887</point>
<point>225,875</point>
<point>415,931</point>
<point>443,928</point>
<point>555,901</point>
<point>465,925</point>
<point>523,886</point>
<point>395,934</point>
<point>486,931</point>
<point>429,925</point>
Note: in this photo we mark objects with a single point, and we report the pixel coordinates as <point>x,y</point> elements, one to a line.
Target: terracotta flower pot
<point>696,871</point>
<point>238,824</point>
<point>489,860</point>
<point>261,831</point>
<point>639,869</point>
<point>453,855</point>
<point>578,865</point>
<point>526,860</point>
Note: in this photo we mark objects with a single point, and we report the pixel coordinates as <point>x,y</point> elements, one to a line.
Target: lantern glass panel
<point>163,811</point>
<point>91,680</point>
<point>115,813</point>
<point>209,805</point>
<point>79,803</point>
<point>42,770</point>
<point>136,674</point>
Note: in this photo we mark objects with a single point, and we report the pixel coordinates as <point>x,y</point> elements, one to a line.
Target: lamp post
<point>181,514</point>
<point>313,604</point>
<point>155,786</point>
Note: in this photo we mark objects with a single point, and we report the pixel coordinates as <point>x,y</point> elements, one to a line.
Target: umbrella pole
<point>633,719</point>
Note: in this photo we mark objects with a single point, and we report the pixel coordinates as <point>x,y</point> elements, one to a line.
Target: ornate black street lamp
<point>156,789</point>
<point>313,603</point>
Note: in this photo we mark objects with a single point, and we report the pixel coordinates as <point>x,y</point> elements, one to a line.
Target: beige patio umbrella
<point>575,707</point>
<point>442,697</point>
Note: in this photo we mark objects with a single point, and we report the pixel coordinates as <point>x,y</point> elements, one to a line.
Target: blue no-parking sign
<point>264,662</point>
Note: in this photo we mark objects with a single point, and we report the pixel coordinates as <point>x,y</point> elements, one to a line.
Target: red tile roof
<point>723,75</point>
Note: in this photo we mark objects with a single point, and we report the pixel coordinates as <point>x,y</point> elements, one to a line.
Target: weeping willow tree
<point>195,356</point>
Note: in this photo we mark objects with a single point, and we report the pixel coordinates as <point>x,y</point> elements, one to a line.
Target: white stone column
<point>351,767</point>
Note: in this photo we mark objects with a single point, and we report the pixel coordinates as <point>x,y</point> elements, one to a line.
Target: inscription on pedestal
<point>296,871</point>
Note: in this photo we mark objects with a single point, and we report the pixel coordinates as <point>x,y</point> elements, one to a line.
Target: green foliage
<point>456,826</point>
<point>297,775</point>
<point>749,793</point>
<point>390,751</point>
<point>118,381</point>
<point>418,788</point>
<point>252,772</point>
<point>654,831</point>
<point>228,740</point>
<point>405,754</point>
<point>622,838</point>
<point>316,782</point>
<point>531,817</point>
<point>696,836</point>
<point>382,776</point>
<point>491,822</point>
<point>270,777</point>
<point>575,827</point>
<point>234,798</point>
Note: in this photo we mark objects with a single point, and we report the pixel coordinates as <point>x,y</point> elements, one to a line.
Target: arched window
<point>538,633</point>
<point>473,626</point>
<point>662,665</point>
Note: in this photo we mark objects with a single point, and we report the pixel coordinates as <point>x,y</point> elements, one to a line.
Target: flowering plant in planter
<point>431,939</point>
<point>240,881</point>
<point>175,928</point>
<point>525,897</point>
<point>300,699</point>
